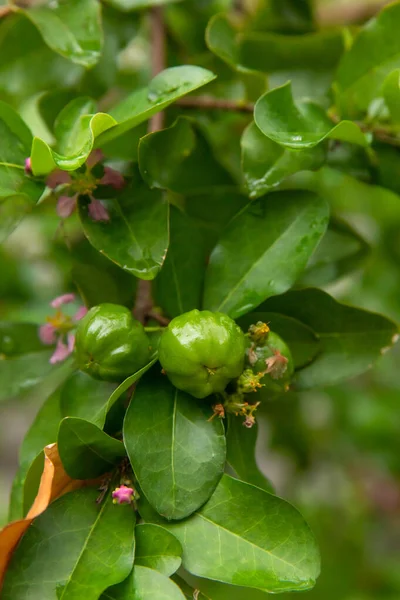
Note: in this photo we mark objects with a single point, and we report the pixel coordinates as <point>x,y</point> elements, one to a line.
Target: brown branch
<point>341,13</point>
<point>5,10</point>
<point>209,103</point>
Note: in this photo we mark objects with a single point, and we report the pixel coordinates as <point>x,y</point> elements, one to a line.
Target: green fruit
<point>110,344</point>
<point>202,351</point>
<point>274,355</point>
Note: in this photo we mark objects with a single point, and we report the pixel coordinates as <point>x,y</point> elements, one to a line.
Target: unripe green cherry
<point>201,351</point>
<point>110,344</point>
<point>274,359</point>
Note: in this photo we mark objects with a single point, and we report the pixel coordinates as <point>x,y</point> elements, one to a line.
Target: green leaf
<point>240,453</point>
<point>73,28</point>
<point>351,339</point>
<point>374,54</point>
<point>86,398</point>
<point>163,90</point>
<point>144,584</point>
<point>76,548</point>
<point>284,15</point>
<point>222,40</point>
<point>127,383</point>
<point>187,590</point>
<point>303,342</point>
<point>18,192</point>
<point>265,163</point>
<point>19,374</point>
<point>300,126</point>
<point>180,159</point>
<point>157,548</point>
<point>22,56</point>
<point>85,450</point>
<point>263,251</point>
<point>341,251</point>
<point>136,236</point>
<point>179,285</point>
<point>19,338</point>
<point>130,5</point>
<point>32,482</point>
<point>391,94</point>
<point>264,541</point>
<point>177,454</point>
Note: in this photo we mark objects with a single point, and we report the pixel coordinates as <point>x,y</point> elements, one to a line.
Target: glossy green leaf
<point>22,56</point>
<point>157,548</point>
<point>165,88</point>
<point>19,374</point>
<point>136,236</point>
<point>303,342</point>
<point>341,251</point>
<point>85,450</point>
<point>374,54</point>
<point>263,251</point>
<point>19,338</point>
<point>253,539</point>
<point>18,192</point>
<point>73,28</point>
<point>86,398</point>
<point>240,453</point>
<point>300,126</point>
<point>130,5</point>
<point>180,159</point>
<point>177,454</point>
<point>127,383</point>
<point>222,40</point>
<point>75,549</point>
<point>144,584</point>
<point>391,94</point>
<point>351,339</point>
<point>265,163</point>
<point>179,285</point>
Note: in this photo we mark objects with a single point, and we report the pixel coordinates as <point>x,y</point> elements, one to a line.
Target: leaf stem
<point>149,329</point>
<point>209,103</point>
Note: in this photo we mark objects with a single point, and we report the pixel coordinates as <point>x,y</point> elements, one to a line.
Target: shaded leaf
<point>391,94</point>
<point>53,484</point>
<point>144,584</point>
<point>187,590</point>
<point>19,338</point>
<point>374,54</point>
<point>85,450</point>
<point>265,543</point>
<point>157,548</point>
<point>240,453</point>
<point>179,285</point>
<point>303,342</point>
<point>86,398</point>
<point>265,163</point>
<point>136,236</point>
<point>180,159</point>
<point>351,339</point>
<point>284,15</point>
<point>177,454</point>
<point>127,383</point>
<point>82,544</point>
<point>73,28</point>
<point>302,125</point>
<point>263,251</point>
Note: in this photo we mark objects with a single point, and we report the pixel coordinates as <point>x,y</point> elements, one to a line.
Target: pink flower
<point>47,334</point>
<point>113,178</point>
<point>94,157</point>
<point>276,365</point>
<point>58,177</point>
<point>66,205</point>
<point>97,211</point>
<point>63,350</point>
<point>60,300</point>
<point>28,166</point>
<point>80,313</point>
<point>123,495</point>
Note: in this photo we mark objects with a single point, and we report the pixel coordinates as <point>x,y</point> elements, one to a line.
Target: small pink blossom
<point>113,178</point>
<point>66,205</point>
<point>60,300</point>
<point>97,211</point>
<point>60,353</point>
<point>58,177</point>
<point>70,342</point>
<point>276,365</point>
<point>80,313</point>
<point>123,495</point>
<point>47,334</point>
<point>28,166</point>
<point>94,157</point>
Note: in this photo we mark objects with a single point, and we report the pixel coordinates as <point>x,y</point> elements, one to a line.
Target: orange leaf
<point>54,483</point>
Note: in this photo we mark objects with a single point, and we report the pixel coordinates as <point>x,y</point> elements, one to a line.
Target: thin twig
<point>342,13</point>
<point>209,103</point>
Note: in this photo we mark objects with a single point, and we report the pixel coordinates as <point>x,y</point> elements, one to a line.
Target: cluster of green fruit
<point>201,352</point>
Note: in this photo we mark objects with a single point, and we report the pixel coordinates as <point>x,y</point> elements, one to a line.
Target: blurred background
<point>334,453</point>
